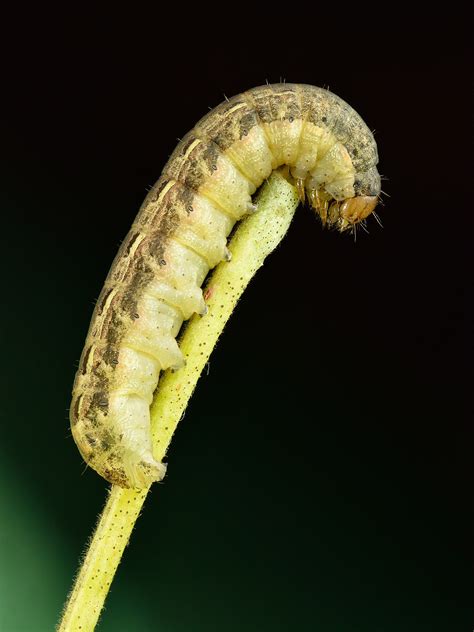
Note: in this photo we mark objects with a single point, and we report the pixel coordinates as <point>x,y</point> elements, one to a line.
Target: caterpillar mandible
<point>180,233</point>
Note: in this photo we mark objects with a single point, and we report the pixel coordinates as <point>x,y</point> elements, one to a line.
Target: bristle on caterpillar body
<point>180,233</point>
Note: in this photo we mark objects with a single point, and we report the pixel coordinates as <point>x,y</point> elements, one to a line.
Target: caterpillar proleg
<point>180,233</point>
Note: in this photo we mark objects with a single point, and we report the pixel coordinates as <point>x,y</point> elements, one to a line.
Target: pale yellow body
<point>155,282</point>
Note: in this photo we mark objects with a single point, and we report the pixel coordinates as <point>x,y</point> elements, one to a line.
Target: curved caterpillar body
<point>180,233</point>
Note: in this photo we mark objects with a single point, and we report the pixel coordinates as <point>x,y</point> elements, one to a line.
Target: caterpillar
<point>180,233</point>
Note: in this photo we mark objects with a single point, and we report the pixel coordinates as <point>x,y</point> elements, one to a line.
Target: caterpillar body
<point>180,233</point>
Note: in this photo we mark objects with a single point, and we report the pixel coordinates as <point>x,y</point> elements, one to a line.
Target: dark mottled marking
<point>293,112</point>
<point>114,331</point>
<point>100,400</point>
<point>85,360</point>
<point>187,198</point>
<point>274,104</point>
<point>77,404</point>
<point>110,355</point>
<point>91,439</point>
<point>154,194</point>
<point>107,440</point>
<point>247,123</point>
<point>103,301</point>
<point>158,239</point>
<point>368,183</point>
<point>116,476</point>
<point>131,241</point>
<point>195,168</point>
<point>211,155</point>
<point>187,141</point>
<point>129,299</point>
<point>227,123</point>
<point>229,105</point>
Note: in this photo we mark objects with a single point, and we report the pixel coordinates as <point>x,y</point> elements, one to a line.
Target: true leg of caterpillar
<point>320,204</point>
<point>323,212</point>
<point>333,215</point>
<point>301,189</point>
<point>313,200</point>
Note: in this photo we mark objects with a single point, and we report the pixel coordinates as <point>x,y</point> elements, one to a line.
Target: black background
<point>318,480</point>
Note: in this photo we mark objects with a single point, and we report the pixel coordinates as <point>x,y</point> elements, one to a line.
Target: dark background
<point>319,479</point>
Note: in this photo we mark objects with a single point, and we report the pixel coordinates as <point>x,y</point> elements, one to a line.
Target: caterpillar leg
<point>301,189</point>
<point>320,204</point>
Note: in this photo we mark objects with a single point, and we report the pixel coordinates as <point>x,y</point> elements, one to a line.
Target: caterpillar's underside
<point>180,233</point>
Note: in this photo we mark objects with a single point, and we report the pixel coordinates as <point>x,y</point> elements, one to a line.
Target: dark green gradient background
<point>318,479</point>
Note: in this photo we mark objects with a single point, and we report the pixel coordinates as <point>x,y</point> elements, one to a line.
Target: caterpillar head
<point>352,211</point>
<point>355,209</point>
<point>343,213</point>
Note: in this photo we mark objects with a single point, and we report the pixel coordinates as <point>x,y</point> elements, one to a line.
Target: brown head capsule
<point>344,215</point>
<point>358,208</point>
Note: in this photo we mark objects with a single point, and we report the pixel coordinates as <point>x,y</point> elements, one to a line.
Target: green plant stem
<point>255,238</point>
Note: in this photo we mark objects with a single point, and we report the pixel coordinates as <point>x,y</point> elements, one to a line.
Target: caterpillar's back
<point>180,233</point>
